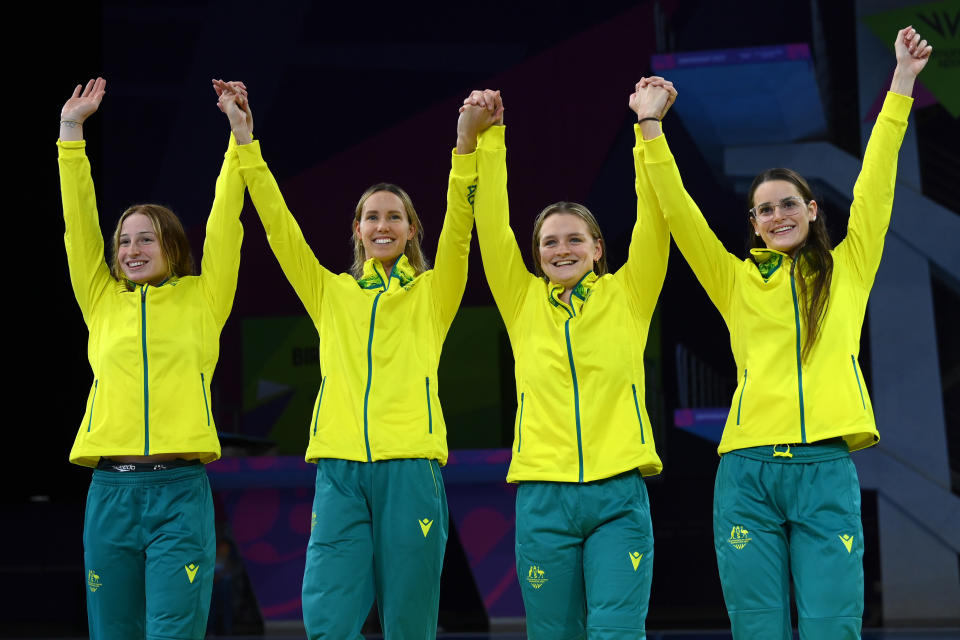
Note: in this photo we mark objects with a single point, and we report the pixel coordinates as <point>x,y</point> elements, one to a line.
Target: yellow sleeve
<point>502,263</point>
<point>297,260</point>
<point>453,247</point>
<point>873,191</point>
<point>220,263</point>
<point>89,273</point>
<point>646,263</point>
<point>713,265</point>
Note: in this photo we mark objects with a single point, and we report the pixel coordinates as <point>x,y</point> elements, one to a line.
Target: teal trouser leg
<point>410,528</point>
<point>585,558</point>
<point>618,559</point>
<point>149,549</point>
<point>750,539</point>
<point>774,517</point>
<point>338,575</point>
<point>116,600</point>
<point>549,553</point>
<point>828,577</point>
<point>379,528</point>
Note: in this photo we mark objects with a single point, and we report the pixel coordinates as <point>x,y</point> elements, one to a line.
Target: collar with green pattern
<point>374,273</point>
<point>767,261</point>
<point>581,290</point>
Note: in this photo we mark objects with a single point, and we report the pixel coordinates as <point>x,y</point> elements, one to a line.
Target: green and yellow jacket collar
<point>581,291</point>
<point>768,261</point>
<point>376,277</point>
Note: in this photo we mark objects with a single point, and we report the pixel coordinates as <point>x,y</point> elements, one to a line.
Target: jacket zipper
<point>740,401</point>
<point>520,425</point>
<point>576,389</point>
<point>146,387</point>
<point>796,315</point>
<point>636,405</point>
<point>853,361</point>
<point>429,410</point>
<point>96,383</point>
<point>206,404</point>
<point>323,383</point>
<point>366,395</point>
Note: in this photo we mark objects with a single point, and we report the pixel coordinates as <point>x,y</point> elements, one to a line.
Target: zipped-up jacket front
<point>581,414</point>
<point>381,336</point>
<point>781,399</point>
<point>153,350</point>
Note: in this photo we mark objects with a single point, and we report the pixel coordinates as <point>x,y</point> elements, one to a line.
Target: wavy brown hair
<point>412,249</point>
<point>599,266</point>
<point>170,234</point>
<point>814,262</point>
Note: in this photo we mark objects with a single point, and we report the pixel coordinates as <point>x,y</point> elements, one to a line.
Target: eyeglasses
<point>789,206</point>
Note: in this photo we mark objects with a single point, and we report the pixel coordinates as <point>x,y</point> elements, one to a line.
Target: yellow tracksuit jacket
<point>153,350</point>
<point>381,336</point>
<point>780,399</point>
<point>581,414</point>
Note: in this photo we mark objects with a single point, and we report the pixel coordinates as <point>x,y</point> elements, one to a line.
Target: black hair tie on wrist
<point>649,118</point>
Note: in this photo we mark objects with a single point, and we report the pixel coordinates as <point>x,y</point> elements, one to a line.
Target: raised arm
<point>873,191</point>
<point>713,265</point>
<point>646,263</point>
<point>82,237</point>
<point>450,267</point>
<point>297,260</point>
<point>220,262</point>
<point>502,263</point>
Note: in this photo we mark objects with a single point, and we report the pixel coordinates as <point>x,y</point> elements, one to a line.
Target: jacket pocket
<point>636,405</point>
<point>429,409</point>
<point>206,403</point>
<point>856,374</point>
<point>316,417</point>
<point>743,388</point>
<point>93,402</point>
<point>520,425</point>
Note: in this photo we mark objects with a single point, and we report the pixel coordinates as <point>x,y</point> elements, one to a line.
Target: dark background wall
<point>344,96</point>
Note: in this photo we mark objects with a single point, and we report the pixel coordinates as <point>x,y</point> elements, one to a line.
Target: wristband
<point>71,123</point>
<point>648,118</point>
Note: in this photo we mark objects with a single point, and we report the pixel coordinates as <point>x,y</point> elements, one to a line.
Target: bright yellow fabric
<point>153,350</point>
<point>380,337</point>
<point>597,427</point>
<point>778,400</point>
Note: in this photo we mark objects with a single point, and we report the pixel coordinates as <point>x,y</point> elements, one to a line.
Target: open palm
<point>85,101</point>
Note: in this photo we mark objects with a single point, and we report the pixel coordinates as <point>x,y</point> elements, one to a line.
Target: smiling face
<point>567,249</point>
<point>383,228</point>
<point>780,230</point>
<point>139,253</point>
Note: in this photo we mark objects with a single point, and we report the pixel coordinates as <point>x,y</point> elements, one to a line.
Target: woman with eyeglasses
<point>582,437</point>
<point>377,433</point>
<point>787,497</point>
<point>154,323</point>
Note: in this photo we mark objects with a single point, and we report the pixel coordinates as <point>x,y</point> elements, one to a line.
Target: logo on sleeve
<point>93,581</point>
<point>739,536</point>
<point>425,525</point>
<point>191,570</point>
<point>847,541</point>
<point>635,558</point>
<point>535,577</point>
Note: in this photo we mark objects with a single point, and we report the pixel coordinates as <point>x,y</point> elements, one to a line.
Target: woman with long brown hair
<point>787,498</point>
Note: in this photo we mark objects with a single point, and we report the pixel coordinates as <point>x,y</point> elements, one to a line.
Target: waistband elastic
<point>108,464</point>
<point>821,451</point>
<point>155,477</point>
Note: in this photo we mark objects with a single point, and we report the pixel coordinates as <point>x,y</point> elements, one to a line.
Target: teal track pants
<point>780,517</point>
<point>585,558</point>
<point>379,531</point>
<point>149,546</point>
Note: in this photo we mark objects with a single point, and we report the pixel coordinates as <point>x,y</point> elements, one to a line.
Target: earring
<point>756,233</point>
